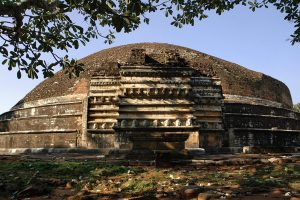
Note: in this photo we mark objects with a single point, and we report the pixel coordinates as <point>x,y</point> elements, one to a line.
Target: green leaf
<point>4,61</point>
<point>19,74</point>
<point>76,44</point>
<point>24,62</point>
<point>117,23</point>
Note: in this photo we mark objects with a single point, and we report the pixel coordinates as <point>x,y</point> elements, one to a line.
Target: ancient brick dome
<point>150,97</point>
<point>235,79</point>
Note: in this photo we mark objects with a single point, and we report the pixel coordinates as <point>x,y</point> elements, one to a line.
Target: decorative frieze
<point>103,99</point>
<point>207,125</point>
<point>101,125</point>
<point>153,123</point>
<point>155,92</point>
<point>155,73</point>
<point>100,83</point>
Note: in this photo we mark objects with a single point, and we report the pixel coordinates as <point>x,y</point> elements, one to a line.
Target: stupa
<point>154,97</point>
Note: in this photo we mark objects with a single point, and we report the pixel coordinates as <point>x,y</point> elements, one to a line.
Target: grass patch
<point>110,179</point>
<point>114,170</point>
<point>139,186</point>
<point>24,173</point>
<point>258,182</point>
<point>67,169</point>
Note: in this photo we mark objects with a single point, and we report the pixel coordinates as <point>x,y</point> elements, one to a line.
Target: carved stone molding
<point>144,123</point>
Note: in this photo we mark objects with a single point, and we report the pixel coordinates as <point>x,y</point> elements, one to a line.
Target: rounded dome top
<point>235,79</point>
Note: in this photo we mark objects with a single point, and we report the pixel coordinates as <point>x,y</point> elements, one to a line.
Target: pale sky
<point>258,41</point>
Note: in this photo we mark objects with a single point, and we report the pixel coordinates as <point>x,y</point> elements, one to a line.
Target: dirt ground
<point>75,176</point>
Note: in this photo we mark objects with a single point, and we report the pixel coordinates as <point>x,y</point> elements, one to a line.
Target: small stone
<point>69,185</point>
<point>287,194</point>
<point>87,187</point>
<point>264,161</point>
<point>228,194</point>
<point>276,194</point>
<point>204,196</point>
<point>235,186</point>
<point>276,160</point>
<point>272,160</point>
<point>295,198</point>
<point>191,191</point>
<point>220,162</point>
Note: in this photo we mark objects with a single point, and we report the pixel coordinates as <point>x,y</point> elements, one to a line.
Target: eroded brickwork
<point>49,123</point>
<point>258,125</point>
<point>235,79</point>
<point>157,97</point>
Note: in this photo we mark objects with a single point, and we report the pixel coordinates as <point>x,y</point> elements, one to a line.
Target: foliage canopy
<point>30,29</point>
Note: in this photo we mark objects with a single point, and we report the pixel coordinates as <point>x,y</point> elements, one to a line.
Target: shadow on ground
<point>57,177</point>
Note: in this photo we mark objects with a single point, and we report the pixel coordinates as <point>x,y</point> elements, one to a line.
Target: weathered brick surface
<point>267,122</point>
<point>256,116</point>
<point>45,123</point>
<point>239,108</point>
<point>43,140</point>
<point>265,138</point>
<point>49,111</point>
<point>102,141</point>
<point>154,99</point>
<point>256,125</point>
<point>236,80</point>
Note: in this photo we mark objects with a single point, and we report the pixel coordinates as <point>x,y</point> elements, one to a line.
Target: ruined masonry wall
<point>258,125</point>
<point>48,123</point>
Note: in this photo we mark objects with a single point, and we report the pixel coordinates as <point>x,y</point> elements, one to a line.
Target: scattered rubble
<point>72,178</point>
